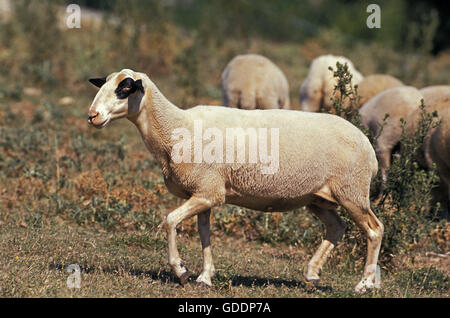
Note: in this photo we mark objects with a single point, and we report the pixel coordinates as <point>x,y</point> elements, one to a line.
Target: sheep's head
<point>119,96</point>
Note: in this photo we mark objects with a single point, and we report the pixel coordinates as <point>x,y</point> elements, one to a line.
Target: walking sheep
<point>321,161</point>
<point>374,84</point>
<point>318,87</point>
<point>398,102</point>
<point>252,81</point>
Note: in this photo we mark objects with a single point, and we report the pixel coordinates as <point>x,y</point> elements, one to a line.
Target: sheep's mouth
<point>98,125</point>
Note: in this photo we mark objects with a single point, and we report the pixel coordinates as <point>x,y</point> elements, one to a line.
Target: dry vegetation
<point>70,194</point>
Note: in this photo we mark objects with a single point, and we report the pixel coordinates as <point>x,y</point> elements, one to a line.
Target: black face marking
<point>127,87</point>
<point>99,82</point>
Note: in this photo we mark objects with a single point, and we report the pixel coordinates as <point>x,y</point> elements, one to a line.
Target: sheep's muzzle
<point>95,119</point>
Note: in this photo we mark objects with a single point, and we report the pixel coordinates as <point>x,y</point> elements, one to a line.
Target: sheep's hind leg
<point>208,265</point>
<point>366,220</point>
<point>190,208</point>
<point>334,227</point>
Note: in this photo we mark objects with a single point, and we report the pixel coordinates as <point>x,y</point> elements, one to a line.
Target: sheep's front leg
<point>208,265</point>
<point>190,208</point>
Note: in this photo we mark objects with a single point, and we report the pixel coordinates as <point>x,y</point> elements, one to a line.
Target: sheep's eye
<point>125,88</point>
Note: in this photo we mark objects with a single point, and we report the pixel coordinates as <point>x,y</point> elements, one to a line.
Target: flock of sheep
<point>324,160</point>
<point>252,81</point>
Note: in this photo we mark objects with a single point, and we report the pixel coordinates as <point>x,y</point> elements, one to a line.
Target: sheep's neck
<point>156,121</point>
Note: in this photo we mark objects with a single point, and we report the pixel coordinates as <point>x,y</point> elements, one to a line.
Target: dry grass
<point>34,264</point>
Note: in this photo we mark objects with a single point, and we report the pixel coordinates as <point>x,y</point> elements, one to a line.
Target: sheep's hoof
<point>184,278</point>
<point>367,285</point>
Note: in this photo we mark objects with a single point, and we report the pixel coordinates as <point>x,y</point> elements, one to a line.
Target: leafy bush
<point>408,185</point>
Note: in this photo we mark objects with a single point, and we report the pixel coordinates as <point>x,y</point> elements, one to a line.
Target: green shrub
<point>408,185</point>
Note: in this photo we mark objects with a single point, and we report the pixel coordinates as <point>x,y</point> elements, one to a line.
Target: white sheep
<point>374,84</point>
<point>252,81</point>
<point>318,87</point>
<point>435,91</point>
<point>438,103</point>
<point>322,161</point>
<point>398,102</point>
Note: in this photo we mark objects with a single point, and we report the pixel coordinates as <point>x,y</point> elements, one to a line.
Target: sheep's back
<point>432,92</point>
<point>374,84</point>
<point>256,77</point>
<point>398,102</point>
<point>313,148</point>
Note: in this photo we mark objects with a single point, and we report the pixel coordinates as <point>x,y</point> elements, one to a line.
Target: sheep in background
<point>436,103</point>
<point>435,91</point>
<point>318,87</point>
<point>398,102</point>
<point>436,145</point>
<point>374,84</point>
<point>323,161</point>
<point>252,81</point>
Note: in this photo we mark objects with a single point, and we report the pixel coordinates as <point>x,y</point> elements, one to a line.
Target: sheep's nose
<point>92,115</point>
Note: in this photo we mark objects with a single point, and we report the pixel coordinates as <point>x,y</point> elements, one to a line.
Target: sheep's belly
<point>269,204</point>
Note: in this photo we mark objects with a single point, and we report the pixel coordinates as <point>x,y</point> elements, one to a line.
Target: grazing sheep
<point>322,161</point>
<point>437,103</point>
<point>252,81</point>
<point>431,92</point>
<point>374,84</point>
<point>435,148</point>
<point>318,87</point>
<point>439,153</point>
<point>398,102</point>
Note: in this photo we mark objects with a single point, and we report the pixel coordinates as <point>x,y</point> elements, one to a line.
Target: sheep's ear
<point>99,82</point>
